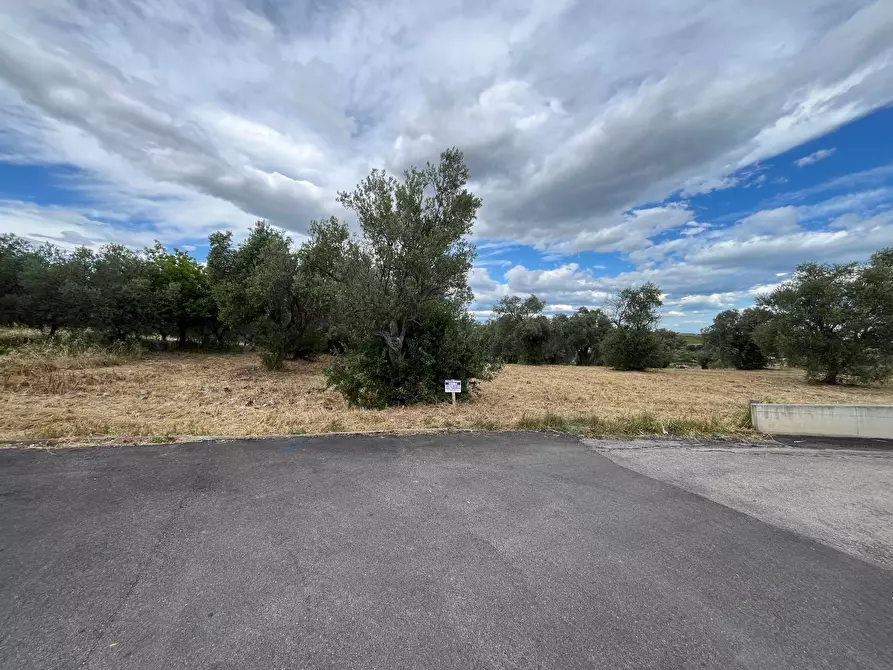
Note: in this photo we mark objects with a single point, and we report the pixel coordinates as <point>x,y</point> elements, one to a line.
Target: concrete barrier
<point>824,420</point>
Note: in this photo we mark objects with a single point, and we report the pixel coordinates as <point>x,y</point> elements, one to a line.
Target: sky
<point>708,146</point>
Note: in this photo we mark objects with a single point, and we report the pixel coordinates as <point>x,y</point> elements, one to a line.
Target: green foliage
<point>730,339</point>
<point>585,332</point>
<point>122,301</point>
<point>12,255</point>
<point>444,345</point>
<point>631,425</point>
<point>633,343</point>
<point>116,292</point>
<point>183,295</point>
<point>519,333</point>
<point>266,293</point>
<point>627,348</point>
<point>670,346</point>
<point>706,359</point>
<point>835,321</point>
<point>400,290</point>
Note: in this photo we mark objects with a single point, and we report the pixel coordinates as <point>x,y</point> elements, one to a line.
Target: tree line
<point>834,321</point>
<point>624,336</point>
<point>392,299</point>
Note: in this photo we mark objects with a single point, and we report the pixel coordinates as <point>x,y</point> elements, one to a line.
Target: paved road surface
<point>460,551</point>
<point>839,492</point>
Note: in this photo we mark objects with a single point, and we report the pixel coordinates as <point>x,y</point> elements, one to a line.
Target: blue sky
<point>705,145</point>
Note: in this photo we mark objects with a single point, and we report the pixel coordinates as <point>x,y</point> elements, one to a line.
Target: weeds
<point>335,426</point>
<point>38,364</point>
<point>632,425</point>
<point>485,424</point>
<point>41,377</point>
<point>12,338</point>
<point>204,394</point>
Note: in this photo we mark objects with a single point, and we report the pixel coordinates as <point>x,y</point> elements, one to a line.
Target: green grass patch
<point>485,424</point>
<point>640,424</point>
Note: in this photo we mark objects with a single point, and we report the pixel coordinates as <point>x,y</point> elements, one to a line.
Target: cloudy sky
<point>706,145</point>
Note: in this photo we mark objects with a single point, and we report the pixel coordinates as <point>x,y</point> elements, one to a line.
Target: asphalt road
<point>455,551</point>
<point>836,491</point>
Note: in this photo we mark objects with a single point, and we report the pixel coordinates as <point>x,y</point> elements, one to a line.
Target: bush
<point>272,360</point>
<point>448,345</point>
<point>627,348</point>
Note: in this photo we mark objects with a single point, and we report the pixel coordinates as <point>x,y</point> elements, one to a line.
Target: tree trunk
<point>53,329</point>
<point>181,340</point>
<point>831,377</point>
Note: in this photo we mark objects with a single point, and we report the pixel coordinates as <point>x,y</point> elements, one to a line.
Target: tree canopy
<point>834,321</point>
<point>633,344</point>
<point>730,338</point>
<point>390,296</point>
<point>401,285</point>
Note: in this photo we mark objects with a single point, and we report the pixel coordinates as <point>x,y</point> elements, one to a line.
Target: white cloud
<point>727,267</point>
<point>573,116</point>
<point>819,155</point>
<point>177,117</point>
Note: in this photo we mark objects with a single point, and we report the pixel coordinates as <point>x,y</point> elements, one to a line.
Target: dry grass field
<point>230,394</point>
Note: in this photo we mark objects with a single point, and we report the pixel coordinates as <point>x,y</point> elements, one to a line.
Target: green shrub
<point>444,345</point>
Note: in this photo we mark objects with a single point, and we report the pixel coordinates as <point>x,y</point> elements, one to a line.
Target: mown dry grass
<point>218,394</point>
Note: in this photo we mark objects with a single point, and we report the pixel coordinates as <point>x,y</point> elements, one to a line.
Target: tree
<point>558,350</point>
<point>730,338</point>
<point>585,332</point>
<point>12,256</point>
<point>402,285</point>
<point>511,314</point>
<point>533,338</point>
<point>266,293</point>
<point>834,320</point>
<point>183,293</point>
<point>122,301</point>
<point>43,303</point>
<point>632,344</point>
<point>670,344</point>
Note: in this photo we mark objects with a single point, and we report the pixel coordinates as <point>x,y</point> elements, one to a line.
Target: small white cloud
<point>560,308</point>
<point>819,155</point>
<point>693,228</point>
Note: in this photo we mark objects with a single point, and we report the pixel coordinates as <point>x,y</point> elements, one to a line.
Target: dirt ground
<point>219,394</point>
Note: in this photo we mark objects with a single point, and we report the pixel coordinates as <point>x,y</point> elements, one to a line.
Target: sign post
<point>453,386</point>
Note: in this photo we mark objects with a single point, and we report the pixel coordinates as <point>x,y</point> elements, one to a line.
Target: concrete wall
<point>824,420</point>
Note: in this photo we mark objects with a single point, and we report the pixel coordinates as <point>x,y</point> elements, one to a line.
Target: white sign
<point>453,386</point>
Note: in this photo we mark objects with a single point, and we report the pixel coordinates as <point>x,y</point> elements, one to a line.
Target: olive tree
<point>401,285</point>
<point>835,321</point>
<point>266,293</point>
<point>730,338</point>
<point>633,343</point>
<point>585,332</point>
